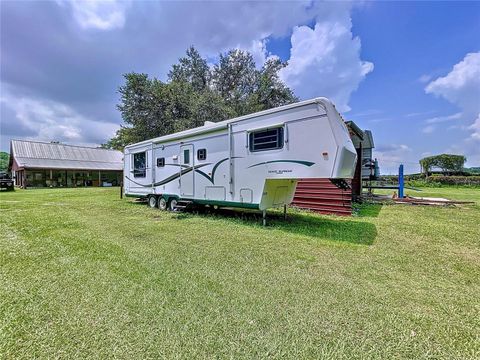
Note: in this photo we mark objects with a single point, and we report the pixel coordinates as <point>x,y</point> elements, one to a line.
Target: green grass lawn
<point>85,274</point>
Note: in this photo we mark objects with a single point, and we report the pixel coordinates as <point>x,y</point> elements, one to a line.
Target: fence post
<point>400,181</point>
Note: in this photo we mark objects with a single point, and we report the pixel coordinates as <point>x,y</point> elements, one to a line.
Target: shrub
<point>455,180</point>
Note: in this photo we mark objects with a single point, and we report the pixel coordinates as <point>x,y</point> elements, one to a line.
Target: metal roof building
<point>43,164</point>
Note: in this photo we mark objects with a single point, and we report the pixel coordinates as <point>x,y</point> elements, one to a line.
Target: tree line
<point>196,92</point>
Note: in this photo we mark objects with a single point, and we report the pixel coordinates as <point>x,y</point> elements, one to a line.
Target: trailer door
<point>187,170</point>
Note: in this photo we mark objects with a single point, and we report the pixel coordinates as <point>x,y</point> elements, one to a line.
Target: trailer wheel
<point>162,204</point>
<point>172,204</point>
<point>152,201</point>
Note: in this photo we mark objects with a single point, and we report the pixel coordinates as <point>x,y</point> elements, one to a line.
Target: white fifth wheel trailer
<point>253,161</point>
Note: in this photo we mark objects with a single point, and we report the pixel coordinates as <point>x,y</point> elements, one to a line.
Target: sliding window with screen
<point>266,139</point>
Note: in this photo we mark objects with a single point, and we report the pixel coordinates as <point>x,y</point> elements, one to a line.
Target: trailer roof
<point>223,124</point>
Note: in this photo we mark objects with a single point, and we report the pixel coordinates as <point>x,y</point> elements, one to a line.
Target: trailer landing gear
<point>264,215</point>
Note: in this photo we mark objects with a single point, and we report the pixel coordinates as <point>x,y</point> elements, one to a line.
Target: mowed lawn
<point>84,274</point>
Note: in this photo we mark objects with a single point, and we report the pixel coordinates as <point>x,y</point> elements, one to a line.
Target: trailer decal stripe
<point>170,178</point>
<point>137,182</point>
<point>164,181</point>
<point>212,178</point>
<point>215,169</point>
<point>301,162</point>
<point>186,169</point>
<point>204,175</point>
<point>176,176</point>
<point>218,164</point>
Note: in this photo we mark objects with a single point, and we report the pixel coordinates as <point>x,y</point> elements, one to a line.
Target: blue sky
<point>406,41</point>
<point>409,71</point>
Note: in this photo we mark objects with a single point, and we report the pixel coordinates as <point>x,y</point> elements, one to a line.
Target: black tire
<point>152,201</point>
<point>162,203</point>
<point>172,204</point>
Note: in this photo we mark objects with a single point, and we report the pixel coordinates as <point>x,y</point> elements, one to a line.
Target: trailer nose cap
<point>345,163</point>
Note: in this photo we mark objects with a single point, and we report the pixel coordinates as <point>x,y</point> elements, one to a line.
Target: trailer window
<point>160,162</point>
<point>186,156</point>
<point>268,139</point>
<point>139,164</point>
<point>202,154</point>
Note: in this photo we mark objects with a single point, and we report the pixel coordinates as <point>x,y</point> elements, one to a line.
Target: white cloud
<point>147,36</point>
<point>367,113</point>
<point>461,87</point>
<point>434,122</point>
<point>48,120</point>
<point>425,78</point>
<point>390,156</point>
<point>99,14</point>
<point>325,60</point>
<point>258,49</point>
<point>469,148</point>
<point>428,129</point>
<point>421,113</point>
<point>441,119</point>
<point>475,127</point>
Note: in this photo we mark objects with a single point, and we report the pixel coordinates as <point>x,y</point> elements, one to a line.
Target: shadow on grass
<point>339,229</point>
<point>328,228</point>
<point>368,210</point>
<point>332,228</point>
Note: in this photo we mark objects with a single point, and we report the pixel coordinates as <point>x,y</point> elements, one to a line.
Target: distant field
<point>452,193</point>
<point>86,275</point>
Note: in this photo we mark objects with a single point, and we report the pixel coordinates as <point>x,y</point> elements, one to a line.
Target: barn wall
<point>15,166</point>
<point>366,155</point>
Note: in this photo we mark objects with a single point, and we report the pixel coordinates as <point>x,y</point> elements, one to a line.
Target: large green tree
<point>4,159</point>
<point>445,162</point>
<point>271,91</point>
<point>191,68</point>
<point>195,93</point>
<point>235,78</point>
